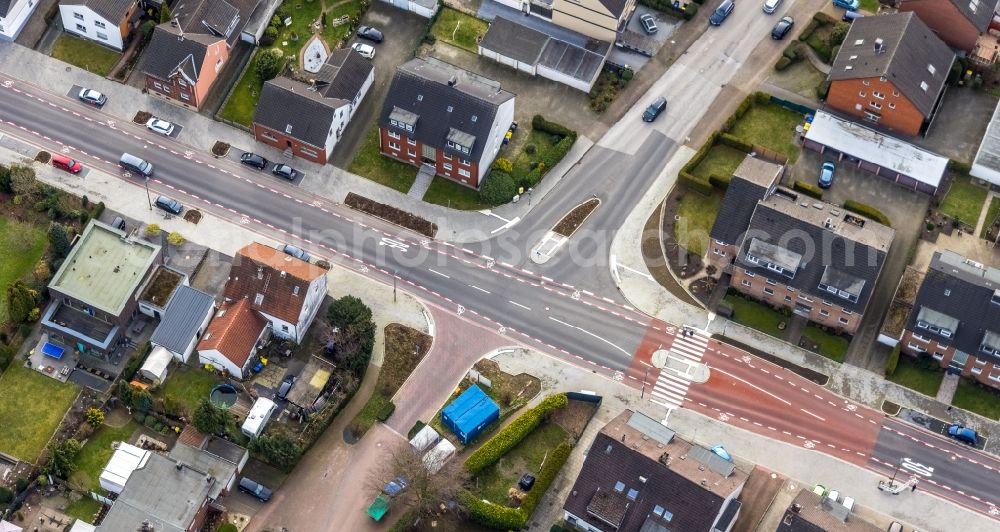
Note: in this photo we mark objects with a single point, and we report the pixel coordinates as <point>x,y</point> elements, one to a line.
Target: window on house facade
<point>879,95</point>
<point>823,312</point>
<point>892,105</point>
<point>977,371</point>
<point>157,85</point>
<point>446,166</point>
<point>751,259</point>
<point>411,142</point>
<point>466,162</point>
<point>865,82</point>
<point>875,105</point>
<point>102,36</point>
<point>863,94</point>
<point>99,24</point>
<point>81,28</point>
<point>393,135</point>
<point>750,274</point>
<point>463,172</point>
<point>843,321</point>
<point>744,282</point>
<point>394,146</point>
<point>788,298</point>
<point>307,151</point>
<point>872,117</point>
<point>295,290</point>
<point>411,153</point>
<point>768,291</point>
<point>772,282</point>
<point>916,347</point>
<point>78,16</point>
<point>258,299</point>
<point>185,97</point>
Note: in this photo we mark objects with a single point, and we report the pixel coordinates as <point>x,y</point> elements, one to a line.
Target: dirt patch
<point>391,214</point>
<point>508,389</point>
<point>895,319</point>
<point>159,289</point>
<point>43,157</point>
<point>890,408</point>
<point>192,216</point>
<point>141,117</point>
<point>805,373</point>
<point>405,347</point>
<point>703,288</point>
<point>683,263</point>
<point>220,149</point>
<point>573,418</point>
<point>652,255</point>
<point>572,221</point>
<point>117,417</point>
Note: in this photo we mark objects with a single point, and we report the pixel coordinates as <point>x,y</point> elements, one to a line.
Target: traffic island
<point>391,214</point>
<point>562,231</point>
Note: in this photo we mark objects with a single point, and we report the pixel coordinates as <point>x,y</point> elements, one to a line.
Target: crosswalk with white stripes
<point>670,388</point>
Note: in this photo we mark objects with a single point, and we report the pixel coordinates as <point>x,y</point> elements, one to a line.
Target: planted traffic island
<point>391,214</point>
<point>572,221</point>
<point>141,117</point>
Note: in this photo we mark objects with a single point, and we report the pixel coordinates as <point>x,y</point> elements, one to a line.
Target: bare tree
<point>425,492</point>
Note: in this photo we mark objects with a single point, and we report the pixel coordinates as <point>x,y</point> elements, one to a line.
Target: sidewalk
<point>200,133</point>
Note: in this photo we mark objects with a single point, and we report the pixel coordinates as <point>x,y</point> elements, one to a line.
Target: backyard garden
<point>964,200</point>
<point>28,423</point>
<point>459,29</point>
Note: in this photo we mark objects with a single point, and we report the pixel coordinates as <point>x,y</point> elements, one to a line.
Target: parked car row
<point>783,27</point>
<point>281,170</point>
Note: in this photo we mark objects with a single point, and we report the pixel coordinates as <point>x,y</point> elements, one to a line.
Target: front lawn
<point>370,163</point>
<point>85,54</point>
<point>721,160</point>
<point>697,214</point>
<point>771,126</point>
<point>991,216</point>
<point>24,244</point>
<point>457,28</point>
<point>84,509</point>
<point>977,398</point>
<point>913,374</point>
<point>871,6</point>
<point>242,102</point>
<point>755,315</point>
<point>451,194</point>
<point>831,346</point>
<point>405,347</point>
<point>188,386</point>
<point>964,200</point>
<point>31,407</point>
<point>95,455</point>
<point>494,481</point>
<point>522,162</point>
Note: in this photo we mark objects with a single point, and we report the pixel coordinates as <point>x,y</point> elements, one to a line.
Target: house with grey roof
<point>184,322</point>
<point>603,20</point>
<point>751,182</point>
<point>106,22</point>
<point>956,317</point>
<point>811,512</point>
<point>14,14</point>
<point>446,120</point>
<point>526,49</point>
<point>891,72</point>
<point>308,116</point>
<point>640,476</point>
<point>959,23</point>
<point>813,258</point>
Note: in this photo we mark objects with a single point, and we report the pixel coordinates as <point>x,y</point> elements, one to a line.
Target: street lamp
<point>393,286</point>
<point>642,394</point>
<point>148,198</point>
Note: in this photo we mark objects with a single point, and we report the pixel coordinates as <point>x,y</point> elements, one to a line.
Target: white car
<point>366,50</point>
<point>770,6</point>
<point>92,97</point>
<point>160,126</point>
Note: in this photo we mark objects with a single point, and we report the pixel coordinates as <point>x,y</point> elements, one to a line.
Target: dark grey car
<point>285,387</point>
<point>169,204</point>
<point>255,489</point>
<point>370,33</point>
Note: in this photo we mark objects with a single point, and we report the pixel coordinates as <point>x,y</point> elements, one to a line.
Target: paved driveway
<point>960,124</point>
<point>402,31</point>
<point>905,210</point>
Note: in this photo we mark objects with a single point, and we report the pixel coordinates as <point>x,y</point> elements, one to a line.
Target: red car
<point>65,163</point>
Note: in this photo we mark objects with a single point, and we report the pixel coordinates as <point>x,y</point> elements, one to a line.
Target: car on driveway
<point>770,6</point>
<point>366,50</point>
<point>92,97</point>
<point>370,33</point>
<point>723,11</point>
<point>963,434</point>
<point>850,5</point>
<point>395,486</point>
<point>648,24</point>
<point>160,126</point>
<point>254,160</point>
<point>654,109</point>
<point>826,175</point>
<point>782,28</point>
<point>283,170</point>
<point>255,489</point>
<point>285,387</point>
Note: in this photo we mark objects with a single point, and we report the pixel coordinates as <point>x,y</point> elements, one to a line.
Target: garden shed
<point>425,438</point>
<point>154,369</point>
<point>470,413</point>
<point>126,459</point>
<point>438,456</point>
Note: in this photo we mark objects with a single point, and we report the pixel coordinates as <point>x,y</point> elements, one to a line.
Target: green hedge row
<point>782,63</point>
<point>867,210</point>
<point>735,142</point>
<point>667,7</point>
<point>808,30</point>
<point>720,182</point>
<point>553,463</point>
<point>808,189</point>
<point>539,123</point>
<point>512,434</point>
<point>893,361</point>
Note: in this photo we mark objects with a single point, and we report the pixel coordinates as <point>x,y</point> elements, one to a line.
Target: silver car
<point>770,6</point>
<point>160,126</point>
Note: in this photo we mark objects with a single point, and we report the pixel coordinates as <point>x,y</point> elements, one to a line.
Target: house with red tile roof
<point>285,290</point>
<point>232,338</point>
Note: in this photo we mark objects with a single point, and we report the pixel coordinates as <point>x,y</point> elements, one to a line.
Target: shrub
<point>808,189</point>
<point>550,469</point>
<point>512,434</point>
<point>782,63</point>
<point>839,32</point>
<point>95,416</point>
<point>164,13</point>
<point>690,11</point>
<point>538,122</point>
<point>5,181</point>
<point>492,515</point>
<point>892,362</point>
<point>270,35</point>
<point>809,29</point>
<point>793,51</point>
<point>824,19</point>
<point>719,182</point>
<point>227,527</point>
<point>695,183</point>
<point>504,165</point>
<point>530,149</point>
<point>867,210</point>
<point>959,167</point>
<point>60,240</point>
<point>5,495</point>
<point>822,89</point>
<point>269,64</point>
<point>735,142</point>
<point>153,229</point>
<point>278,450</point>
<point>146,30</point>
<point>175,239</point>
<point>498,188</point>
<point>7,354</point>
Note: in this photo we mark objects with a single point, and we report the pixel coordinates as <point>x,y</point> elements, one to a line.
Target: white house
<point>285,290</point>
<point>233,337</point>
<point>13,15</point>
<point>106,22</point>
<point>424,8</point>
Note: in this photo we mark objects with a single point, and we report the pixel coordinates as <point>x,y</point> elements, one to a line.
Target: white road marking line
<point>758,388</point>
<point>480,289</point>
<point>439,273</point>
<point>811,414</point>
<point>591,334</point>
<point>515,303</point>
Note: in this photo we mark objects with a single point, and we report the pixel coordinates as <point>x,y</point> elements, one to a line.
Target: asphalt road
<point>567,307</point>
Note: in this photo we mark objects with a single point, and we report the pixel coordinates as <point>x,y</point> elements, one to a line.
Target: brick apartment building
<point>753,180</point>
<point>958,23</point>
<point>448,121</point>
<point>890,71</point>
<point>956,317</point>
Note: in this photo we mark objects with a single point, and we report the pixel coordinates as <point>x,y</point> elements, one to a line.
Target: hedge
<point>808,189</point>
<point>493,515</point>
<point>740,111</point>
<point>735,142</point>
<point>134,364</point>
<point>553,463</point>
<point>792,51</point>
<point>867,210</point>
<point>512,434</point>
<point>809,29</point>
<point>782,63</point>
<point>959,167</point>
<point>720,182</point>
<point>690,11</point>
<point>824,19</point>
<point>694,182</point>
<point>539,123</point>
<point>890,365</point>
<point>823,88</point>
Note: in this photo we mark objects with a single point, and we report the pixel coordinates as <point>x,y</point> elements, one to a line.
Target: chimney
<point>879,48</point>
<point>453,81</point>
<point>179,466</point>
<point>796,507</point>
<point>623,437</point>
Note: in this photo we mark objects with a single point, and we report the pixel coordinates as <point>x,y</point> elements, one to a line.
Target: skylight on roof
<point>924,86</point>
<point>931,69</point>
<point>619,486</point>
<point>859,42</point>
<point>973,5</point>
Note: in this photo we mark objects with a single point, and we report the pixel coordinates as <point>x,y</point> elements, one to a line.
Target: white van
<point>260,414</point>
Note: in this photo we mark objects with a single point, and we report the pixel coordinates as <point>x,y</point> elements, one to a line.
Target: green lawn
<point>771,126</point>
<point>755,315</point>
<point>493,482</point>
<point>977,398</point>
<point>721,160</point>
<point>370,163</point>
<point>831,346</point>
<point>31,406</point>
<point>964,200</point>
<point>521,162</point>
<point>189,385</point>
<point>85,54</point>
<point>24,244</point>
<point>84,509</point>
<point>911,373</point>
<point>697,214</point>
<point>871,6</point>
<point>96,453</point>
<point>451,194</point>
<point>459,29</point>
<point>991,216</point>
<point>243,98</point>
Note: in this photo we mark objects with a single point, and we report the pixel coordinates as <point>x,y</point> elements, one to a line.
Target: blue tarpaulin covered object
<point>470,413</point>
